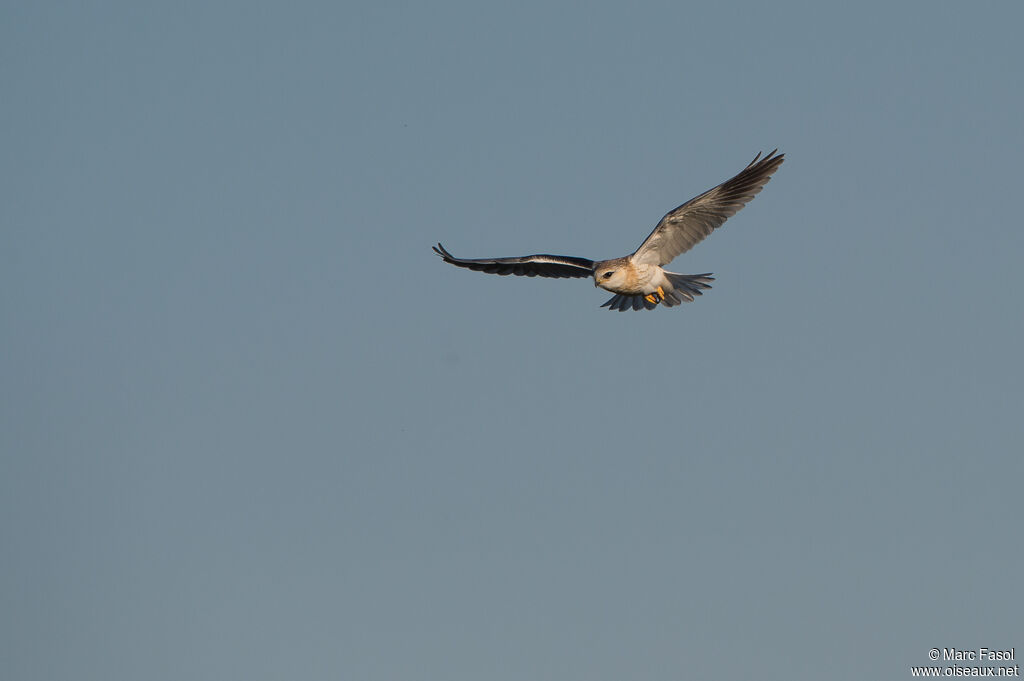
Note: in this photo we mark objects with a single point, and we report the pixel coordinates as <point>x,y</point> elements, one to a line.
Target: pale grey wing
<point>686,226</point>
<point>555,266</point>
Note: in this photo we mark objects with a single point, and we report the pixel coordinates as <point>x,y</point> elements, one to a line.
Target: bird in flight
<point>638,280</point>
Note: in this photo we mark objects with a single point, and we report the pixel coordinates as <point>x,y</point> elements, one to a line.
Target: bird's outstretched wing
<point>686,226</point>
<point>622,302</point>
<point>555,266</point>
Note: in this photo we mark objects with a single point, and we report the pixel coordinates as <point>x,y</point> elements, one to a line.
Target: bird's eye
<point>607,275</point>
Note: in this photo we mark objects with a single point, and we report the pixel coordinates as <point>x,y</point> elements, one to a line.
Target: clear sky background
<point>252,428</point>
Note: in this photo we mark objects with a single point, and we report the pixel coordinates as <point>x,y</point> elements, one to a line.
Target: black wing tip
<point>621,303</point>
<point>443,253</point>
<point>772,157</point>
<point>554,267</point>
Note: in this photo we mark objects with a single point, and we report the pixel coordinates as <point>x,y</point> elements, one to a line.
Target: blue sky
<point>253,428</point>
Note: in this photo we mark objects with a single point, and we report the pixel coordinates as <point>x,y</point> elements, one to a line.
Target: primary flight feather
<point>638,280</point>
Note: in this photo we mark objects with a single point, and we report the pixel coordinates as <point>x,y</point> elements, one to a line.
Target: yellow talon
<point>655,297</point>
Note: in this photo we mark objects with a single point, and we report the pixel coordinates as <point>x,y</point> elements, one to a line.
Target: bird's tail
<point>685,287</point>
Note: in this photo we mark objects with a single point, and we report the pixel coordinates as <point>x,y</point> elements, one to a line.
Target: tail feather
<point>684,288</point>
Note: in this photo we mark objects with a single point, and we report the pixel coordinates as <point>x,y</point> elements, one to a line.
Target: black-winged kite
<point>638,280</point>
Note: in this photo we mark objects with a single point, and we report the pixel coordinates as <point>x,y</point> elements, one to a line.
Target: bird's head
<point>611,274</point>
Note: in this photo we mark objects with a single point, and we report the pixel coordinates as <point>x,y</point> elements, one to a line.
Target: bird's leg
<point>655,297</point>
